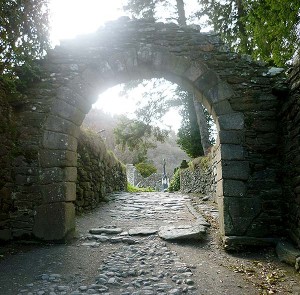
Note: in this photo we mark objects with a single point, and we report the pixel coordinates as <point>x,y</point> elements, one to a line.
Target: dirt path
<point>142,264</point>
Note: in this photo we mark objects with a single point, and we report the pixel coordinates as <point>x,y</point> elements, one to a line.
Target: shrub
<point>145,169</point>
<point>175,182</point>
<point>134,189</point>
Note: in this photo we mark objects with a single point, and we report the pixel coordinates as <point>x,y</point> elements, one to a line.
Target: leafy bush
<point>184,164</point>
<point>202,162</point>
<point>175,182</point>
<point>145,169</point>
<point>134,189</point>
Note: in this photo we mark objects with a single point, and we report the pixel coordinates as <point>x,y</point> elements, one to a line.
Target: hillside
<point>105,123</point>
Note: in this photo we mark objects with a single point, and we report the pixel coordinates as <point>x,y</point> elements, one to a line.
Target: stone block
<point>231,137</point>
<point>59,141</point>
<point>195,71</point>
<point>218,93</point>
<point>54,222</point>
<point>230,152</point>
<point>73,98</point>
<point>176,64</point>
<point>61,125</point>
<point>234,243</point>
<point>66,111</point>
<point>87,91</point>
<point>231,188</point>
<point>146,53</point>
<point>234,121</point>
<point>5,235</point>
<point>222,216</point>
<point>222,107</point>
<point>234,188</point>
<point>59,192</point>
<point>57,174</point>
<point>238,170</point>
<point>207,82</point>
<point>57,158</point>
<point>239,213</point>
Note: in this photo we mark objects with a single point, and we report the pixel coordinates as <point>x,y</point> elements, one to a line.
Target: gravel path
<point>125,255</point>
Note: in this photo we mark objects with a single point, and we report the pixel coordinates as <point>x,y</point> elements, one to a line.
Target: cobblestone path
<point>124,255</point>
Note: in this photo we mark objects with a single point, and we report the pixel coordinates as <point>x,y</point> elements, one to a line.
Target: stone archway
<point>233,89</point>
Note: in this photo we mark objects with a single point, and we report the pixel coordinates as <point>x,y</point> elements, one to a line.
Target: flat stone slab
<point>182,232</point>
<point>104,230</point>
<point>142,231</point>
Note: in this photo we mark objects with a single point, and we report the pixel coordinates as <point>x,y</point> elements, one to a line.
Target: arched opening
<point>74,99</point>
<point>235,91</point>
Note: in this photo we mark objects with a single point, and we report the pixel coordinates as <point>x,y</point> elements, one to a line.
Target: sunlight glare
<point>70,18</point>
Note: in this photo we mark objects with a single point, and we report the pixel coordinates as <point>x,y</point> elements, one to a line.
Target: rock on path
<point>183,232</point>
<point>119,252</point>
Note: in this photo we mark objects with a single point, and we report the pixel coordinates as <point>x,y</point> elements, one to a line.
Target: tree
<point>145,169</point>
<point>203,125</point>
<point>201,119</point>
<point>265,29</point>
<point>138,136</point>
<point>188,135</point>
<point>142,8</point>
<point>24,32</point>
<point>149,9</point>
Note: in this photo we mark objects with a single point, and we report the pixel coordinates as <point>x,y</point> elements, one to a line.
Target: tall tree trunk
<point>181,12</point>
<point>203,126</point>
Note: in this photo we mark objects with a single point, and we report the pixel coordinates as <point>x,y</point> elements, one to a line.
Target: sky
<point>70,18</point>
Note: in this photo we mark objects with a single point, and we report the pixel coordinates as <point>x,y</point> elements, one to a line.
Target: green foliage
<point>271,26</point>
<point>202,162</point>
<point>188,135</point>
<point>175,182</point>
<point>145,169</point>
<point>138,136</point>
<point>161,97</point>
<point>184,164</point>
<point>265,29</point>
<point>134,189</point>
<point>24,33</point>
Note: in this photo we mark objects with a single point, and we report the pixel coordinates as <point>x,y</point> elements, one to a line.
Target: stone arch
<point>124,50</point>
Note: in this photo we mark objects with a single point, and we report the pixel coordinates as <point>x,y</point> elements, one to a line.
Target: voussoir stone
<point>193,232</point>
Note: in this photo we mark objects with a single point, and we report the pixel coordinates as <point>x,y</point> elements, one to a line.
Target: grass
<point>134,189</point>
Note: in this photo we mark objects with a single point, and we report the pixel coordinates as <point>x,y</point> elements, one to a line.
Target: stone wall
<point>7,146</point>
<point>290,115</point>
<point>136,179</point>
<point>238,92</point>
<point>153,181</point>
<point>98,172</point>
<point>132,174</point>
<point>199,177</point>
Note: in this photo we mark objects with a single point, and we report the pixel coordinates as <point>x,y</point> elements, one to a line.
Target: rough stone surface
<point>239,93</point>
<point>290,116</point>
<point>287,253</point>
<point>182,232</point>
<point>199,178</point>
<point>147,264</point>
<point>142,231</point>
<point>99,172</point>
